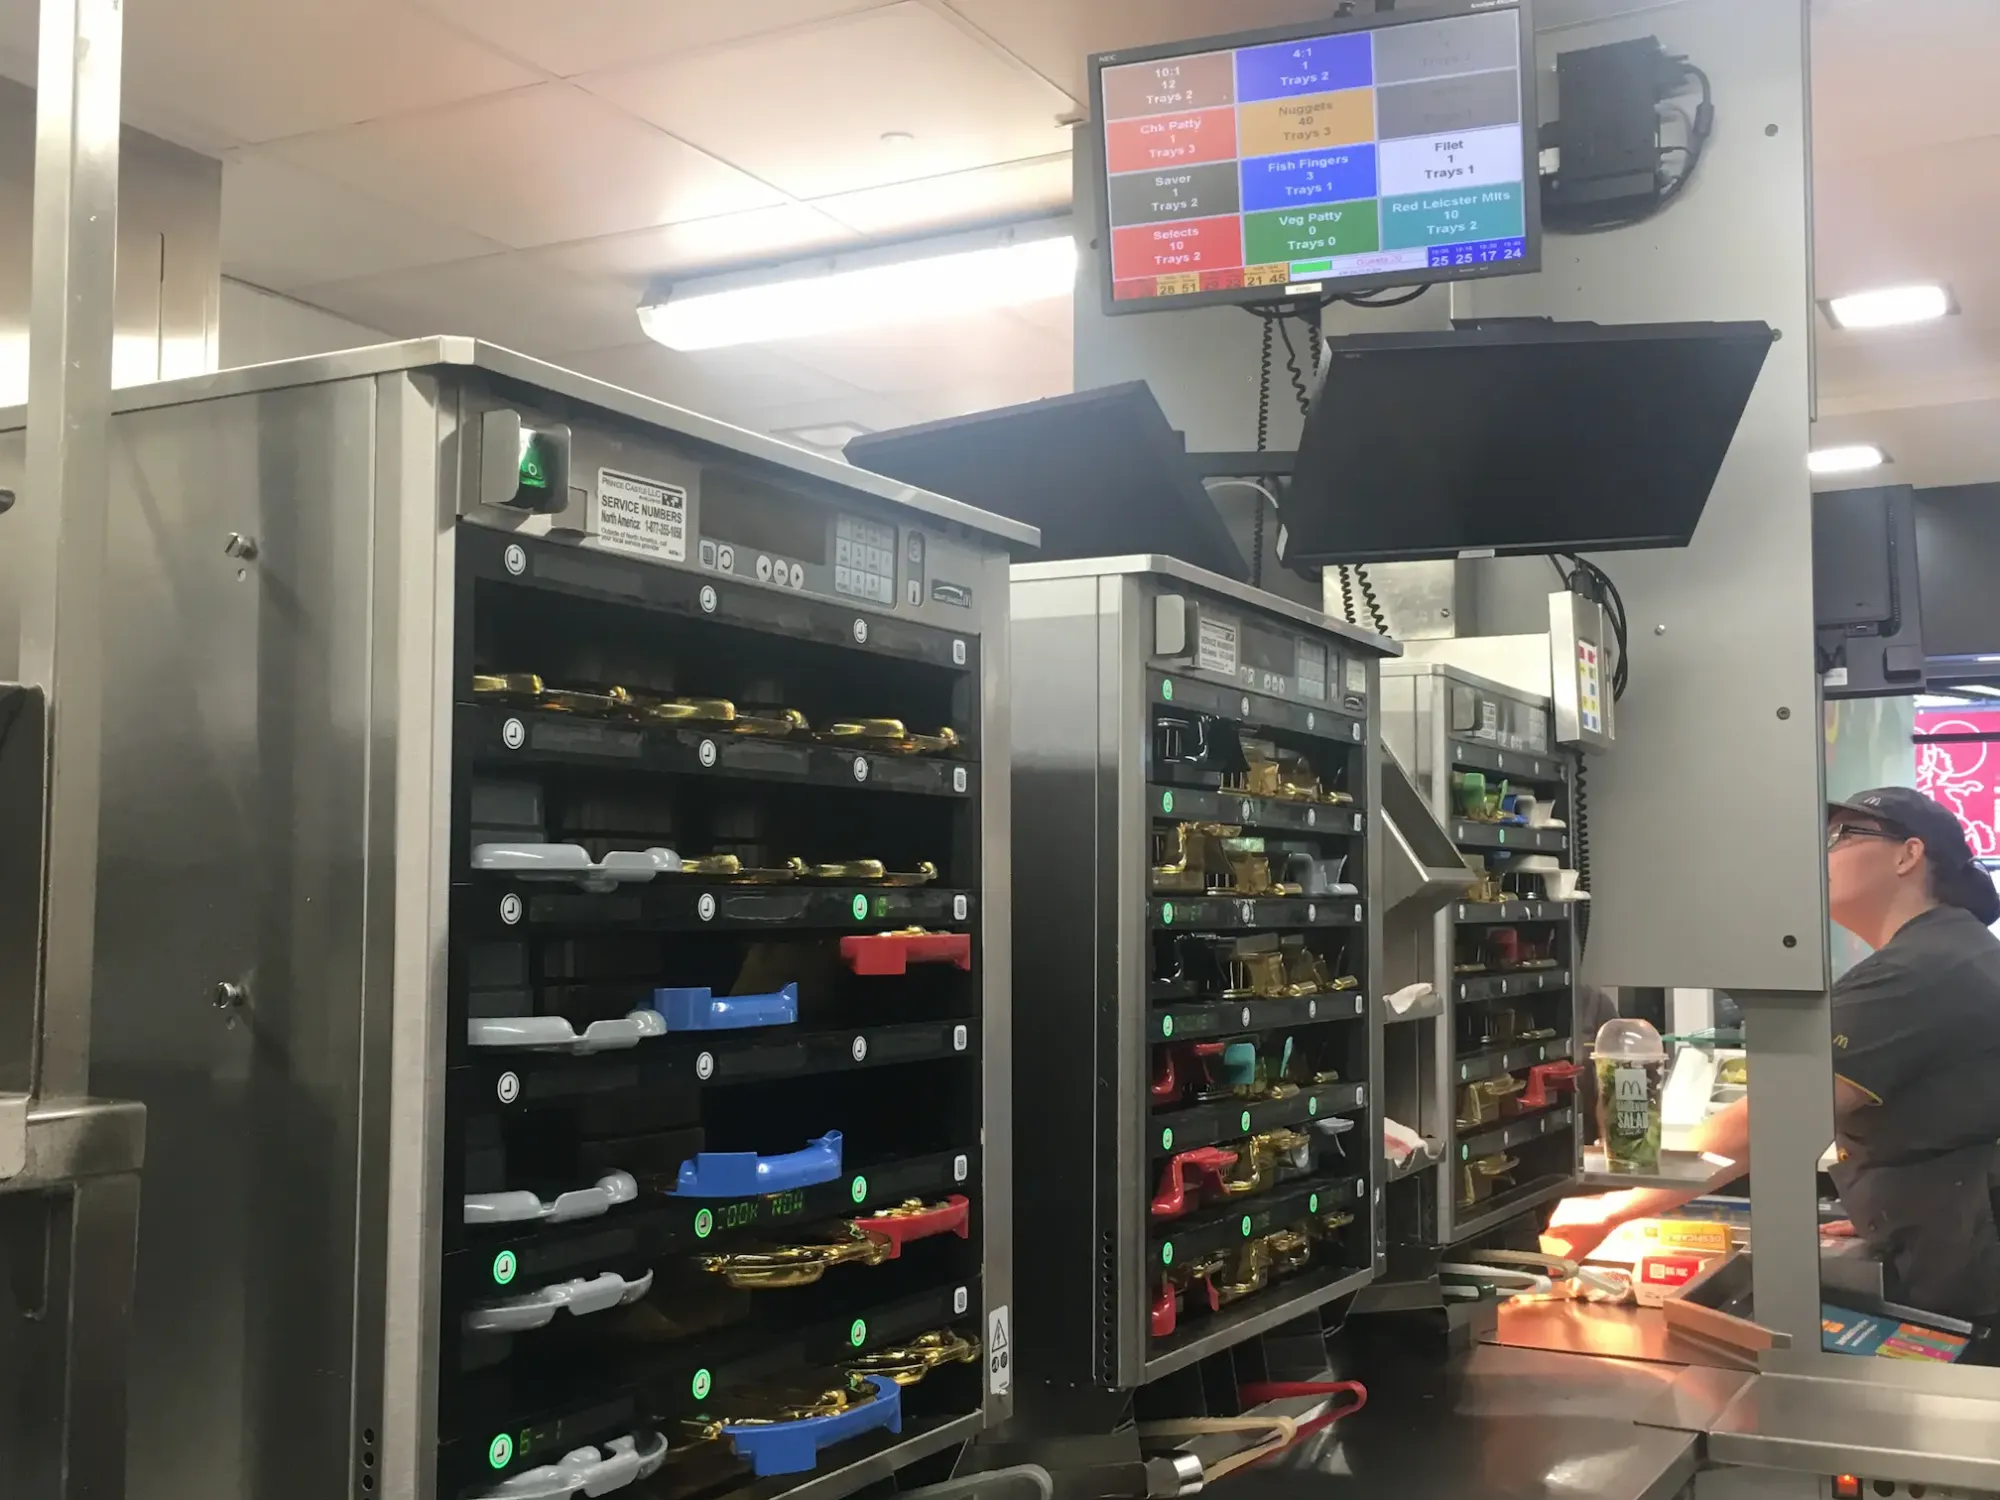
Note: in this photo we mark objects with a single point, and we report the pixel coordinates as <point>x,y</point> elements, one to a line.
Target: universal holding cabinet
<point>591,824</point>
<point>1488,1074</point>
<point>1196,1034</point>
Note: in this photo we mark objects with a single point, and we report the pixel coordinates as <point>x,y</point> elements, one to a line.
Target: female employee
<point>1916,1038</point>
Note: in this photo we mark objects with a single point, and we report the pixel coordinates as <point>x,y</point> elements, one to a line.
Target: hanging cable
<point>1581,814</point>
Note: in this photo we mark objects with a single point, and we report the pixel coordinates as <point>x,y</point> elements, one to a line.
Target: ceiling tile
<point>829,93</point>
<point>718,382</point>
<point>762,234</point>
<point>1055,37</point>
<point>500,298</point>
<point>567,38</point>
<point>283,228</point>
<point>986,351</point>
<point>255,72</point>
<point>1890,76</point>
<point>532,167</point>
<point>1920,216</point>
<point>1014,191</point>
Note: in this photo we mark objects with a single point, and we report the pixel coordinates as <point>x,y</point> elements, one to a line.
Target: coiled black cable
<point>1581,817</point>
<point>1264,371</point>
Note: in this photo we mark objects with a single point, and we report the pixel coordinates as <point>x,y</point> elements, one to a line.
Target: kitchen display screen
<point>1389,155</point>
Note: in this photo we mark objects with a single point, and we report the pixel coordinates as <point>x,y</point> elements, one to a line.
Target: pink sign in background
<point>1965,776</point>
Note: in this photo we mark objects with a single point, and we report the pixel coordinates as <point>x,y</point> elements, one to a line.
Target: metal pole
<point>59,525</point>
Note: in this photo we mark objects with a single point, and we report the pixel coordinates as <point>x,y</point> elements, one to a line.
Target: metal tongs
<point>768,1269</point>
<point>527,689</point>
<point>729,867</point>
<point>906,1364</point>
<point>769,723</point>
<point>870,1241</point>
<point>889,736</point>
<point>870,872</point>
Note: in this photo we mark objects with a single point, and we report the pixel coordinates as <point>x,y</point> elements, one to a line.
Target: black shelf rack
<point>673,1047</point>
<point>1492,1077</point>
<point>1196,941</point>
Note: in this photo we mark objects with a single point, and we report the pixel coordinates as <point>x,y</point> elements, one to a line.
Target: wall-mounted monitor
<point>1385,149</point>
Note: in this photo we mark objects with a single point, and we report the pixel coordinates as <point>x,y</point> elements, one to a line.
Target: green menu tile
<point>1452,216</point>
<point>1327,229</point>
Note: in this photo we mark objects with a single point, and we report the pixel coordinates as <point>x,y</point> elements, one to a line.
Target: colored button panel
<point>1309,177</point>
<point>1177,249</point>
<point>1306,233</point>
<point>1286,70</point>
<point>1179,83</point>
<point>1471,158</point>
<point>1204,192</point>
<point>1170,140</point>
<point>1490,213</point>
<point>1442,49</point>
<point>1448,104</point>
<point>1278,126</point>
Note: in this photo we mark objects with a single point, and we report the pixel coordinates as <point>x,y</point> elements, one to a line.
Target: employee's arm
<point>1583,1223</point>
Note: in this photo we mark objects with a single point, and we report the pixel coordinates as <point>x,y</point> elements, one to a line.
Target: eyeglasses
<point>1840,833</point>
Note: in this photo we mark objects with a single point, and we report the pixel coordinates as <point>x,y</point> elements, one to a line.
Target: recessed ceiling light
<point>898,138</point>
<point>912,282</point>
<point>1850,458</point>
<point>1889,307</point>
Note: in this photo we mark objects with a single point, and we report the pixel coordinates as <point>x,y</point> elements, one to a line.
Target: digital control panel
<point>536,477</point>
<point>864,559</point>
<point>1208,637</point>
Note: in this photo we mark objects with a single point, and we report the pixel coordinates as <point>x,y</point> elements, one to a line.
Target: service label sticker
<point>1215,646</point>
<point>641,516</point>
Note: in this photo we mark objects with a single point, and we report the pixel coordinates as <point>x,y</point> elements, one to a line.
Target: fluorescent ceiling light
<point>895,287</point>
<point>1889,307</point>
<point>1849,459</point>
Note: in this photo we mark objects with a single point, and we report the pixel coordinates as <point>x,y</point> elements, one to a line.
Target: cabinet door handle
<point>522,1206</point>
<point>589,1471</point>
<point>537,1309</point>
<point>744,1174</point>
<point>703,1010</point>
<point>793,1447</point>
<point>556,1034</point>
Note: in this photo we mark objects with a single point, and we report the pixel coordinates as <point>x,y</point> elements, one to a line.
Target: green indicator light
<point>1166,1025</point>
<point>881,906</point>
<point>1167,913</point>
<point>1167,690</point>
<point>1246,1226</point>
<point>504,1267</point>
<point>1465,1153</point>
<point>1167,1253</point>
<point>860,908</point>
<point>1167,1138</point>
<point>1312,1106</point>
<point>1246,1122</point>
<point>1312,1204</point>
<point>702,1384</point>
<point>704,1224</point>
<point>1166,802</point>
<point>500,1452</point>
<point>534,473</point>
<point>859,1190</point>
<point>857,1335</point>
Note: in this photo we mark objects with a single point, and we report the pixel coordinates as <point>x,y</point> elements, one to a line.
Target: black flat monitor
<point>1518,437</point>
<point>1389,148</point>
<point>1102,473</point>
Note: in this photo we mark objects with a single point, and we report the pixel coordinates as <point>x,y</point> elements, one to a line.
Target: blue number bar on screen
<point>1478,253</point>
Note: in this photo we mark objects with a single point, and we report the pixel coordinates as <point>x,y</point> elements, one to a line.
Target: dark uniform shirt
<point>1916,1026</point>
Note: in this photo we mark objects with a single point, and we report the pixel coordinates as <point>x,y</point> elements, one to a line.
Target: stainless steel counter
<point>1493,1424</point>
<point>1677,1169</point>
